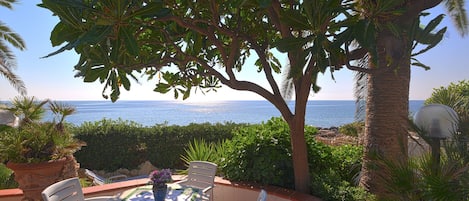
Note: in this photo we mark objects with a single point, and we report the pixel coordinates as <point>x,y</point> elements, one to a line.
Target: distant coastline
<point>320,113</point>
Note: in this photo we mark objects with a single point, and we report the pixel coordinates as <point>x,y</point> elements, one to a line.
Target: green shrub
<point>200,150</point>
<point>260,153</point>
<point>110,145</point>
<point>348,161</point>
<point>7,178</point>
<point>352,129</point>
<point>126,144</point>
<point>330,187</point>
<point>337,181</point>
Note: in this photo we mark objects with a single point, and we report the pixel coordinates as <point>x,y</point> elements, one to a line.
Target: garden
<point>261,154</point>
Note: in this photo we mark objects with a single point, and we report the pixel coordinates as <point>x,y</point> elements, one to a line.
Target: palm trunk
<point>387,110</point>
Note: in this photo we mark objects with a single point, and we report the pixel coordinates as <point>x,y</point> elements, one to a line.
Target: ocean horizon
<point>319,113</point>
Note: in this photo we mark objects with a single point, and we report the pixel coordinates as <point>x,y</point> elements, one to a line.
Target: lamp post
<point>437,122</point>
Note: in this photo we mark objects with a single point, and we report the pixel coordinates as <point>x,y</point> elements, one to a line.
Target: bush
<point>262,154</point>
<point>7,178</point>
<point>115,143</point>
<point>338,181</point>
<point>126,144</point>
<point>348,161</point>
<point>353,129</point>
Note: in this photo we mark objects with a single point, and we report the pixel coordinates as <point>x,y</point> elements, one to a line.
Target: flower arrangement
<point>159,178</point>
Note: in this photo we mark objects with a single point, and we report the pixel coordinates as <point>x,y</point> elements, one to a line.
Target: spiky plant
<point>36,141</point>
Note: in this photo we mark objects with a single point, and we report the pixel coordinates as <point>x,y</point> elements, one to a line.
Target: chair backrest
<point>262,196</point>
<point>97,180</point>
<point>201,174</point>
<point>66,190</point>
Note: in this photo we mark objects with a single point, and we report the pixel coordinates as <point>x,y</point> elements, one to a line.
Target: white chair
<point>98,180</point>
<point>69,190</point>
<point>201,175</point>
<point>262,196</point>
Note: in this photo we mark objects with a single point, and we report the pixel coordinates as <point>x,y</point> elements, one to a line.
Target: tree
<point>205,43</point>
<point>7,59</point>
<point>420,178</point>
<point>391,33</point>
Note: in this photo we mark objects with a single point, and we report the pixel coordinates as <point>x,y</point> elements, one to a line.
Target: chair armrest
<point>181,181</point>
<point>207,189</point>
<point>102,198</point>
<point>117,177</point>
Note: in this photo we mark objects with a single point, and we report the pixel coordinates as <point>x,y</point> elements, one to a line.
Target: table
<point>176,192</point>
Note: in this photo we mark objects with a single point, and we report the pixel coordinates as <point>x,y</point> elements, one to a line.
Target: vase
<point>33,178</point>
<point>159,192</point>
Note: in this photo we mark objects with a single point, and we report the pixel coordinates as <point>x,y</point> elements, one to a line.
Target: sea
<point>149,113</point>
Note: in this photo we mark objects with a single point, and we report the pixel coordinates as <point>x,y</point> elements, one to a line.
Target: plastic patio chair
<point>201,175</point>
<point>68,190</point>
<point>98,180</point>
<point>262,195</point>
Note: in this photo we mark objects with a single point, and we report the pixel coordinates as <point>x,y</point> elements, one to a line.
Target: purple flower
<point>159,178</point>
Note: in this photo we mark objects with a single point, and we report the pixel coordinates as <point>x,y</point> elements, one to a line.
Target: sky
<point>53,77</point>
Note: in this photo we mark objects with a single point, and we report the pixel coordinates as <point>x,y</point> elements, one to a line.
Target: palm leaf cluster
<point>7,58</point>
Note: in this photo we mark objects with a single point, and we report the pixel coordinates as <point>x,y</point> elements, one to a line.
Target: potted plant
<point>40,153</point>
<point>159,180</point>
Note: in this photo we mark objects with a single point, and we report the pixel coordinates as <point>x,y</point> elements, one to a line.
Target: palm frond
<point>456,11</point>
<point>7,3</point>
<point>7,64</point>
<point>7,58</point>
<point>361,89</point>
<point>287,84</point>
<point>11,37</point>
<point>12,78</point>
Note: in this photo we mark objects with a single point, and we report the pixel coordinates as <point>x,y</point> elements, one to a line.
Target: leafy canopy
<point>208,42</point>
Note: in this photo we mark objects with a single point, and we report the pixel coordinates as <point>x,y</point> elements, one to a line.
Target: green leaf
<point>431,40</point>
<point>96,34</point>
<point>290,44</point>
<point>433,24</point>
<point>176,94</point>
<point>62,33</point>
<point>93,74</point>
<point>295,19</point>
<point>186,94</point>
<point>114,56</point>
<point>162,88</point>
<point>152,9</point>
<point>124,80</point>
<point>264,3</point>
<point>69,46</point>
<point>129,41</point>
<point>69,11</point>
<point>419,64</point>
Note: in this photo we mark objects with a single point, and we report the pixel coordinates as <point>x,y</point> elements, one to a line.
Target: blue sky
<point>54,77</point>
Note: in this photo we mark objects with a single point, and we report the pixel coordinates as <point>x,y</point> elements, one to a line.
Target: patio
<point>224,190</point>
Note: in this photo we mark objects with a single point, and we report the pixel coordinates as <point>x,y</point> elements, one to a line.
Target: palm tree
<point>7,59</point>
<point>389,42</point>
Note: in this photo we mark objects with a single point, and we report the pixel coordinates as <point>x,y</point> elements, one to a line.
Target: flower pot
<point>159,193</point>
<point>33,178</point>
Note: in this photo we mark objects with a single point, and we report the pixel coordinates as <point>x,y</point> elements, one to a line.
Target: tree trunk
<point>387,111</point>
<point>299,155</point>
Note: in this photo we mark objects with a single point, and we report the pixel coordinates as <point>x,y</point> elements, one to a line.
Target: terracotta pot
<point>33,178</point>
